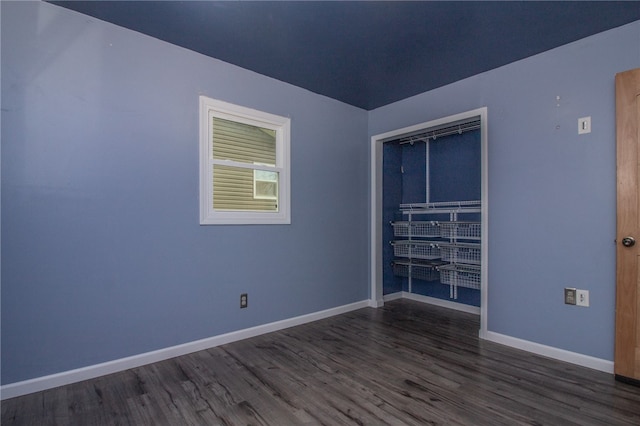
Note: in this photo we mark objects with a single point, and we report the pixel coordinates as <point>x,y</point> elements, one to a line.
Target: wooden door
<point>627,349</point>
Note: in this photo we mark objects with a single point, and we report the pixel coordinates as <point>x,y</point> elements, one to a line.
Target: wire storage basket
<point>460,275</point>
<point>461,253</point>
<point>400,269</point>
<point>420,271</point>
<point>462,230</point>
<point>416,249</point>
<point>415,229</point>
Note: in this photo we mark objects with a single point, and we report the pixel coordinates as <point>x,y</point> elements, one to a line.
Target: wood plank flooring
<point>404,364</point>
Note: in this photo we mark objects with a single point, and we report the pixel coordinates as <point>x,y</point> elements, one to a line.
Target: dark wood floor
<point>406,363</point>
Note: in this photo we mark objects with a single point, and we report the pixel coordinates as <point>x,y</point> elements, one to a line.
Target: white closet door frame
<point>375,249</point>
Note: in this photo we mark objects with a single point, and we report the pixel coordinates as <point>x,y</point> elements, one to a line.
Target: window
<point>244,165</point>
<point>265,185</point>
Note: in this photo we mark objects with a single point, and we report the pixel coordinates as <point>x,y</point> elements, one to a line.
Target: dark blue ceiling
<point>366,54</point>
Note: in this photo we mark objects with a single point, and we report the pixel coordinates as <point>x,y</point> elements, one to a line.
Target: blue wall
<point>102,253</point>
<point>551,191</point>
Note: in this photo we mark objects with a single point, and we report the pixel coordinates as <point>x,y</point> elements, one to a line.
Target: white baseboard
<point>525,345</point>
<point>67,377</point>
<point>392,296</point>
<point>433,301</point>
<point>72,376</point>
<point>550,352</point>
<point>373,303</point>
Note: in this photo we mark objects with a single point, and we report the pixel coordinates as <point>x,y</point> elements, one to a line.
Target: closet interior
<point>432,213</point>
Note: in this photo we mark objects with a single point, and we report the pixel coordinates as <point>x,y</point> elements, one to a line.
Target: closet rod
<point>433,134</point>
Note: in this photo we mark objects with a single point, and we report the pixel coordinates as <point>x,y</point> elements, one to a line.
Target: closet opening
<point>429,214</point>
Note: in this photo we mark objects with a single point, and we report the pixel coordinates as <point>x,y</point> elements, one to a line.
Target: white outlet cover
<point>582,298</point>
<point>584,125</point>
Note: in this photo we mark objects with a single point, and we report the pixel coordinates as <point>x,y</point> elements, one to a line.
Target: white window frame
<point>210,108</point>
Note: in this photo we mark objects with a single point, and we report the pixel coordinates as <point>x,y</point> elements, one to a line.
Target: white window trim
<point>282,125</point>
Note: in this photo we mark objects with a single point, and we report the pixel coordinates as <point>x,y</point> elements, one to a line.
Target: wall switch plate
<point>570,296</point>
<point>584,125</point>
<point>582,297</point>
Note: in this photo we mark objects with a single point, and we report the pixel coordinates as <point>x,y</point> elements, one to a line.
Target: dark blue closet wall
<point>414,164</point>
<point>455,167</point>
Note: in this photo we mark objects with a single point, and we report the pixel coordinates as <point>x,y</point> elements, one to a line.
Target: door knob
<point>628,241</point>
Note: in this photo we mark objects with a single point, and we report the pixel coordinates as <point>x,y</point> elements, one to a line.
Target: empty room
<point>320,212</point>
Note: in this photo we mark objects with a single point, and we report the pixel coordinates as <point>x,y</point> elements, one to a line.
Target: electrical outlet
<point>570,296</point>
<point>582,298</point>
<point>244,300</point>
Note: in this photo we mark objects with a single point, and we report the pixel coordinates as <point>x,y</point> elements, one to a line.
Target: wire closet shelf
<point>426,271</point>
<point>416,229</point>
<point>467,253</point>
<point>416,249</point>
<point>448,251</point>
<point>471,206</point>
<point>459,275</point>
<point>433,133</point>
